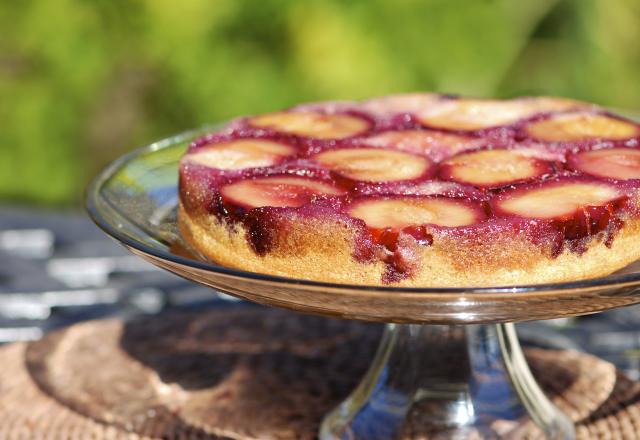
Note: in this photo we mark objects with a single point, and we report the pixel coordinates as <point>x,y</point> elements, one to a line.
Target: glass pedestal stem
<point>447,382</point>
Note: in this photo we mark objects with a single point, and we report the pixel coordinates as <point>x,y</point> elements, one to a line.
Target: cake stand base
<point>449,382</point>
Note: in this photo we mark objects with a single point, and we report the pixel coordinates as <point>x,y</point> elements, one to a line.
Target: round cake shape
<point>399,191</point>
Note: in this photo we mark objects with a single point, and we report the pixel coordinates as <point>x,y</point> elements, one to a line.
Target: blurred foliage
<point>83,81</point>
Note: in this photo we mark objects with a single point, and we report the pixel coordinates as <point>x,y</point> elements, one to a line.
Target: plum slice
<point>276,191</point>
<point>401,103</point>
<point>434,144</point>
<point>477,114</point>
<point>581,126</point>
<point>312,124</point>
<point>400,212</point>
<point>374,164</point>
<point>241,154</point>
<point>493,168</point>
<point>610,163</point>
<point>555,200</point>
<point>575,208</point>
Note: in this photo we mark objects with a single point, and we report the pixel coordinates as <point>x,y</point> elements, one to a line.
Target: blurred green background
<point>83,81</point>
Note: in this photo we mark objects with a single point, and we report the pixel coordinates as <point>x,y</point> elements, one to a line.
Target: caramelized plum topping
<point>374,164</point>
<point>434,144</point>
<point>581,126</point>
<point>493,168</point>
<point>477,114</point>
<point>241,154</point>
<point>276,191</point>
<point>610,163</point>
<point>556,200</point>
<point>402,103</point>
<point>575,208</point>
<point>397,213</point>
<point>312,124</point>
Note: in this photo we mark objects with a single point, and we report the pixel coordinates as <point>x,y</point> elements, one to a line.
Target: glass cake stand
<point>449,364</point>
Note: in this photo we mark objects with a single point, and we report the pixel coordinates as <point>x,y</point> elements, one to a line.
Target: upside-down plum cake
<point>420,190</point>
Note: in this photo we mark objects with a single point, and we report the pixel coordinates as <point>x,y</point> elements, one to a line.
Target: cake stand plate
<point>448,356</point>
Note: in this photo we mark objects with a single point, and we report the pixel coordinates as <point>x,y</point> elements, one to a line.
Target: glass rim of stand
<point>117,202</point>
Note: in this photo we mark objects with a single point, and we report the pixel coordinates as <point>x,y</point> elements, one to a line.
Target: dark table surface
<point>58,268</point>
